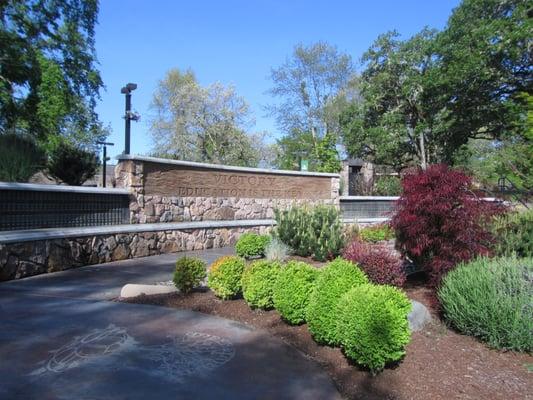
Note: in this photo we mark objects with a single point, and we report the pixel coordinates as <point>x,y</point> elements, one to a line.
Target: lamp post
<point>129,116</point>
<point>105,158</point>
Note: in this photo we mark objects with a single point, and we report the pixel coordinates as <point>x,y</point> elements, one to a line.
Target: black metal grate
<point>359,209</point>
<point>23,209</point>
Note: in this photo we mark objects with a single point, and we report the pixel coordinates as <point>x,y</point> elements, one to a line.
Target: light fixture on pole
<point>105,159</point>
<point>129,116</point>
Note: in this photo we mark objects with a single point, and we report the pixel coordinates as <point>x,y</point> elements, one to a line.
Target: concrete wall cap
<point>124,157</point>
<point>60,233</point>
<point>59,188</point>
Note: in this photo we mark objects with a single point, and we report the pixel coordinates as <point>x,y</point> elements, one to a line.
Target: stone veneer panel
<point>149,206</point>
<point>19,260</point>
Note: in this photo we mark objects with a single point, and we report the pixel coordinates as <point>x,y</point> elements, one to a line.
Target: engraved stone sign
<point>184,181</point>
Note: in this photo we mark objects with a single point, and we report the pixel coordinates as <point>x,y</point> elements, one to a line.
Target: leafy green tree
<point>425,98</point>
<point>485,62</point>
<point>49,83</point>
<point>206,124</point>
<point>313,86</point>
<point>394,123</point>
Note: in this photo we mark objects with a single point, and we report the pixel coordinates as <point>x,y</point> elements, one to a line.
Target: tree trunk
<point>422,146</point>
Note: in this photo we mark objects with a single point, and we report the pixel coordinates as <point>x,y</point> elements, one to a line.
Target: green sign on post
<point>304,165</point>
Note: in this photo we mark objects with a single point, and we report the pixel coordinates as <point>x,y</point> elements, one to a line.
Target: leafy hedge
<point>492,299</point>
<point>189,273</point>
<point>224,277</point>
<point>258,282</point>
<point>292,290</point>
<point>336,278</point>
<point>251,245</point>
<point>372,325</point>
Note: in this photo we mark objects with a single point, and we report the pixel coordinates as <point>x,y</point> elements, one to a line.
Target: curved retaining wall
<point>26,253</point>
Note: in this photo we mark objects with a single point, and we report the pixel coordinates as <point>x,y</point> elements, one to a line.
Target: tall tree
<point>49,82</point>
<point>485,57</point>
<point>207,124</point>
<point>312,86</point>
<point>394,124</point>
<point>426,97</point>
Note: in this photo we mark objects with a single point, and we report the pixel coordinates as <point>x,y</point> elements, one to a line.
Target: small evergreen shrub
<point>72,165</point>
<point>379,263</point>
<point>514,234</point>
<point>315,231</point>
<point>292,290</point>
<point>276,250</point>
<point>251,245</point>
<point>225,275</point>
<point>376,233</point>
<point>372,325</point>
<point>492,299</point>
<point>337,277</point>
<point>387,186</point>
<point>20,158</point>
<point>189,273</point>
<point>258,282</point>
<point>439,222</point>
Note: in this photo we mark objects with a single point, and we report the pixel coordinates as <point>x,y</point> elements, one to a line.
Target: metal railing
<point>29,206</point>
<point>363,208</point>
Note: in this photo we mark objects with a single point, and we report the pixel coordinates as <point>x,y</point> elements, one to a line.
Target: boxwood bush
<point>292,289</point>
<point>258,282</point>
<point>224,277</point>
<point>251,245</point>
<point>336,278</point>
<point>189,273</point>
<point>372,325</point>
<point>492,299</point>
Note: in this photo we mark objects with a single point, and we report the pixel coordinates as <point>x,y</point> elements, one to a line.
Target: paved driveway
<point>60,338</point>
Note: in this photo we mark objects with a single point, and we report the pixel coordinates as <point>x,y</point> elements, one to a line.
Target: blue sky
<point>232,41</point>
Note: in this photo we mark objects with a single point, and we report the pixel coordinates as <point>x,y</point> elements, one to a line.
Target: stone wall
<point>19,260</point>
<point>161,199</point>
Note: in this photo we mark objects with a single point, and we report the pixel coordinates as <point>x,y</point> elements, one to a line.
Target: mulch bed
<point>440,363</point>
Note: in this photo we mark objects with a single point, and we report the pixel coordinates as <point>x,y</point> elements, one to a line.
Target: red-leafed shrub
<point>380,264</point>
<point>440,222</point>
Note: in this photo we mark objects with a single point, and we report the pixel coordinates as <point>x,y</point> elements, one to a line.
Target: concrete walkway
<point>61,339</point>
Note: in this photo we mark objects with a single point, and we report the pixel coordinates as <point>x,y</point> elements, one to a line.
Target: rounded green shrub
<point>224,277</point>
<point>252,245</point>
<point>258,282</point>
<point>492,299</point>
<point>292,289</point>
<point>372,325</point>
<point>189,273</point>
<point>337,277</point>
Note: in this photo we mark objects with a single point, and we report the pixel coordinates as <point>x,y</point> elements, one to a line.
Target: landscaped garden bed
<point>440,363</point>
<point>350,309</point>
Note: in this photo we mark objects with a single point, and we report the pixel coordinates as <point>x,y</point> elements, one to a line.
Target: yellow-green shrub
<point>224,277</point>
<point>258,281</point>
<point>292,289</point>
<point>337,277</point>
<point>189,273</point>
<point>372,325</point>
